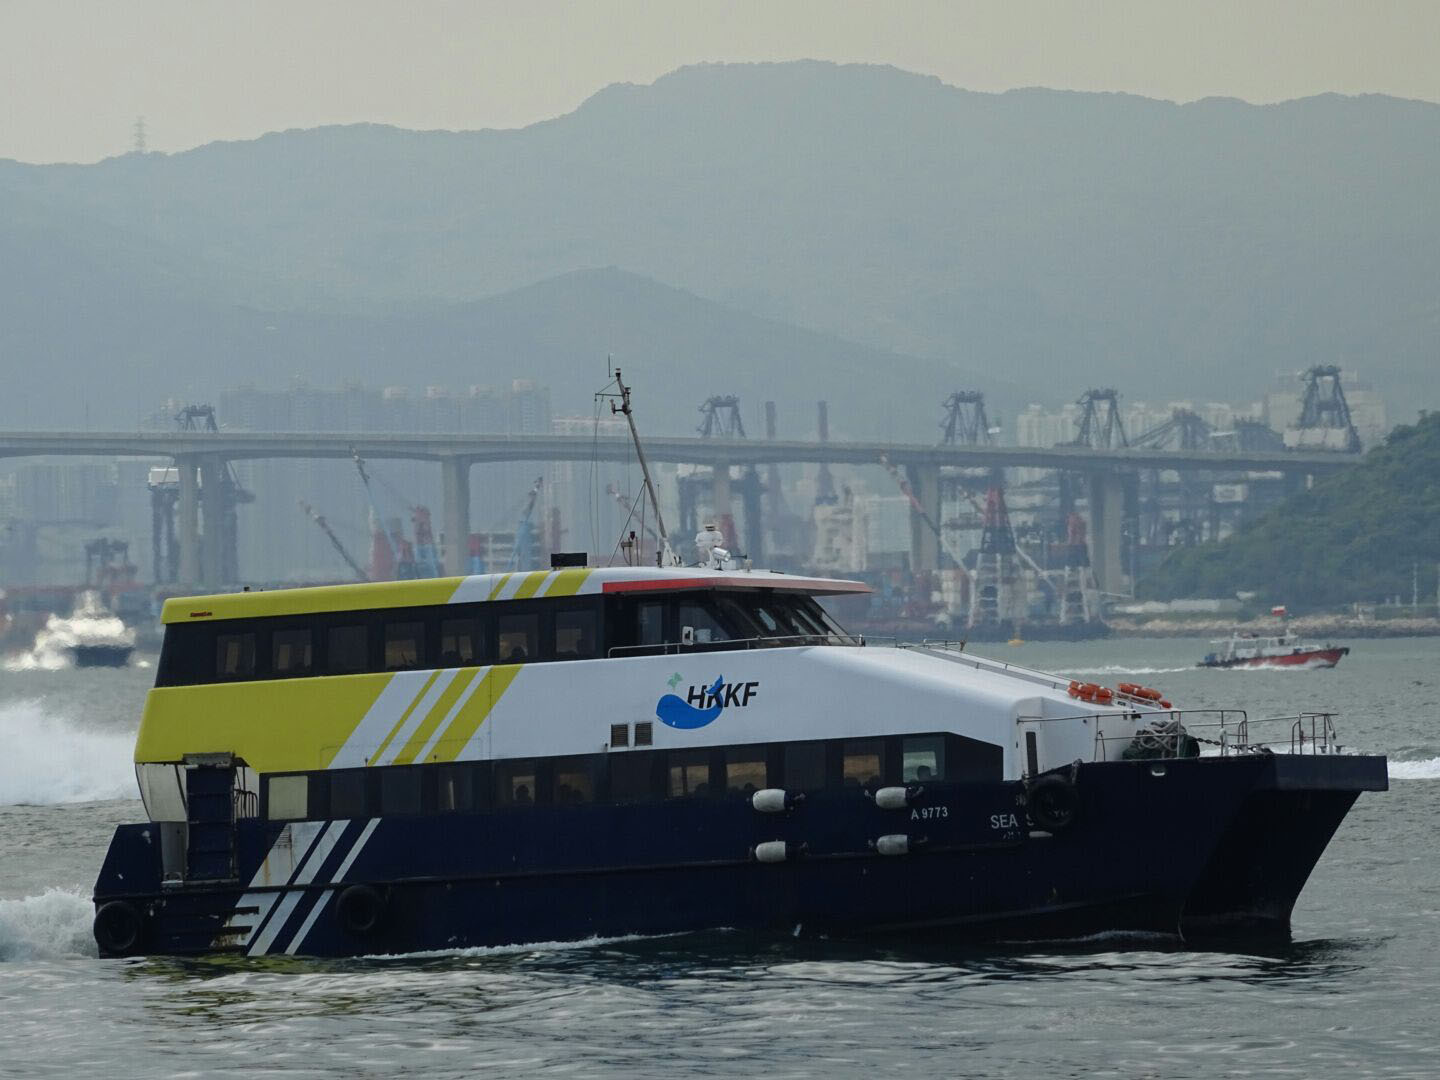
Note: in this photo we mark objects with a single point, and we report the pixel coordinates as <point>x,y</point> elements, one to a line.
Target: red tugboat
<point>1278,650</point>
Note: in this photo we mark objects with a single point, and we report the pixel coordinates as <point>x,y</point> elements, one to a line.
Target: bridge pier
<point>212,515</point>
<point>924,483</point>
<point>1107,504</point>
<point>455,494</point>
<point>188,508</point>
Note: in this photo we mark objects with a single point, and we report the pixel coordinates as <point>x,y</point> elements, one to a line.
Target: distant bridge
<point>475,449</point>
<point>202,458</point>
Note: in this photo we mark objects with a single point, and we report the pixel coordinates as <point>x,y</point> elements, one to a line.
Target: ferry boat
<point>561,754</point>
<point>591,752</point>
<point>1275,650</point>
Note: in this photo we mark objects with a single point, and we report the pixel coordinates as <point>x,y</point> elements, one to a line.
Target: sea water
<point>1353,994</point>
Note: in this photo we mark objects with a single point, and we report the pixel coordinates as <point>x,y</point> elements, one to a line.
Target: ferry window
<point>707,627</point>
<point>399,791</point>
<point>456,789</point>
<point>804,766</point>
<point>514,783</point>
<point>347,794</point>
<point>347,650</point>
<point>651,624</point>
<point>518,636</point>
<point>689,773</point>
<point>574,781</point>
<point>290,652</point>
<point>404,645</point>
<point>460,642</point>
<point>744,770</point>
<point>922,757</point>
<point>861,762</point>
<point>235,656</point>
<point>575,634</point>
<point>289,797</point>
<point>632,777</point>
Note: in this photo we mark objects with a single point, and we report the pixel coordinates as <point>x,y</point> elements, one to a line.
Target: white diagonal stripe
<point>399,692</point>
<point>473,589</point>
<point>417,716</point>
<point>444,724</point>
<point>344,867</point>
<point>283,910</point>
<point>319,906</point>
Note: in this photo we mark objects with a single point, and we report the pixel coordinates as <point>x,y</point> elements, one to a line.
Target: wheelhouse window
<point>235,656</point>
<point>461,644</point>
<point>650,620</point>
<point>518,635</point>
<point>706,626</point>
<point>291,652</point>
<point>404,645</point>
<point>575,634</point>
<point>347,650</point>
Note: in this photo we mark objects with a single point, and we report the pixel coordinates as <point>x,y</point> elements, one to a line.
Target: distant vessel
<point>1280,650</point>
<point>112,655</point>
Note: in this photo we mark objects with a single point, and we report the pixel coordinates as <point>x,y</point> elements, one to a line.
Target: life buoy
<point>1053,802</point>
<point>1147,693</point>
<point>360,910</point>
<point>1103,696</point>
<point>119,928</point>
<point>1129,688</point>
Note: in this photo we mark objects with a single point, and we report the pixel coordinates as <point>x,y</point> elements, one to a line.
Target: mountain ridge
<point>1063,238</point>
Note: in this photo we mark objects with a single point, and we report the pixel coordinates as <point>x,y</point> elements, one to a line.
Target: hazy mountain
<point>1062,239</point>
<point>118,351</point>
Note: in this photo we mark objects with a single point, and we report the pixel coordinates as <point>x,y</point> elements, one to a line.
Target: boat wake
<point>90,624</point>
<point>53,925</point>
<point>50,760</point>
<point>1424,769</point>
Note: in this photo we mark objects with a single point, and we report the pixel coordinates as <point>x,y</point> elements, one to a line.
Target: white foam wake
<point>1426,769</point>
<point>50,760</point>
<point>54,924</point>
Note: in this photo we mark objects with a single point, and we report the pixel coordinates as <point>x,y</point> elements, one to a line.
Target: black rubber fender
<point>119,928</point>
<point>360,910</point>
<point>1053,802</point>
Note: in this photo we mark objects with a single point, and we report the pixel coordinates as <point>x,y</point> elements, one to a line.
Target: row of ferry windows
<point>510,632</point>
<point>356,642</point>
<point>636,776</point>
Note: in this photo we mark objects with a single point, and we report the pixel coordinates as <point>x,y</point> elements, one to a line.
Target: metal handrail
<point>738,644</point>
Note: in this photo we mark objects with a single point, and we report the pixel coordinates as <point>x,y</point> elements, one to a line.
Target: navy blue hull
<point>1177,846</point>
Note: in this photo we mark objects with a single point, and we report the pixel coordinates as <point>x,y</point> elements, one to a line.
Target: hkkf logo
<point>702,704</point>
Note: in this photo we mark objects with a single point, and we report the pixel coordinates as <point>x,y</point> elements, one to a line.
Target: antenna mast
<point>665,556</point>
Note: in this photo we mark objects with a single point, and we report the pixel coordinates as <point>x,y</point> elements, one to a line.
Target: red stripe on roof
<point>655,584</point>
<point>780,581</point>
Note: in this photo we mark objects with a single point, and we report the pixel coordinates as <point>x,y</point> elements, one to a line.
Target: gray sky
<point>74,75</point>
